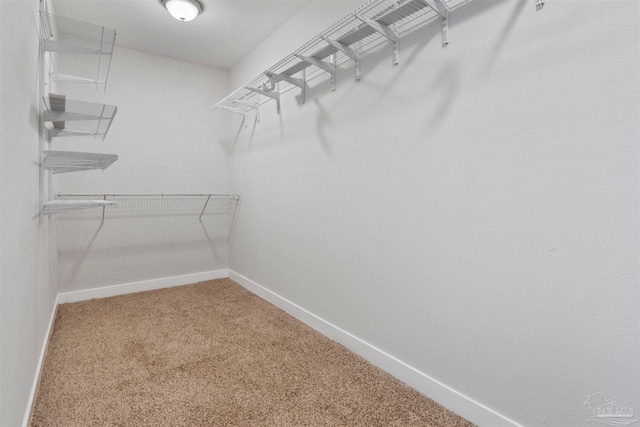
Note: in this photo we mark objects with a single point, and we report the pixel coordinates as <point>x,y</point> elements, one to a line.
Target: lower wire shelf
<point>130,205</point>
<point>73,161</point>
<point>60,206</point>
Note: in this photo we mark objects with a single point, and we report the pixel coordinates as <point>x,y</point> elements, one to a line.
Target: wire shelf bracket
<point>251,106</point>
<point>539,4</point>
<point>273,94</point>
<point>347,51</point>
<point>441,8</point>
<point>237,110</point>
<point>386,31</point>
<point>329,67</point>
<point>300,82</point>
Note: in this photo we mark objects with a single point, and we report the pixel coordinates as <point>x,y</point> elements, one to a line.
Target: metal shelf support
<point>539,4</point>
<point>301,83</point>
<point>324,66</point>
<point>441,8</point>
<point>348,51</point>
<point>270,94</point>
<point>386,31</point>
<point>241,111</point>
<point>250,105</point>
<point>204,207</point>
<point>103,208</point>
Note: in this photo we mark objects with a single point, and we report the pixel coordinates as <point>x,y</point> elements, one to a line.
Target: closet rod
<point>226,195</point>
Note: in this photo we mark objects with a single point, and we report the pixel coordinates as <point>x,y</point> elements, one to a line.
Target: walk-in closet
<point>319,213</point>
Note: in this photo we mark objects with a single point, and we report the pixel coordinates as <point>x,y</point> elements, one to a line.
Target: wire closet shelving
<point>61,206</point>
<point>61,117</point>
<point>156,204</point>
<point>373,23</point>
<point>75,161</point>
<point>66,36</point>
<point>77,118</point>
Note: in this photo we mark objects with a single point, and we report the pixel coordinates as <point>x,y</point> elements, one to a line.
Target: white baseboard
<point>457,402</point>
<point>39,366</point>
<point>146,285</point>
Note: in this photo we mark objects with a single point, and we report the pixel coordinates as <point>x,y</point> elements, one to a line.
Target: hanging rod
<point>219,195</point>
<point>148,204</point>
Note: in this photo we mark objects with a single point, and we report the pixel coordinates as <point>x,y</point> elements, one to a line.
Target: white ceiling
<point>222,35</point>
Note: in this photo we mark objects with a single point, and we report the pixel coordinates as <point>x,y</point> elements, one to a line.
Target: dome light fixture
<point>183,10</point>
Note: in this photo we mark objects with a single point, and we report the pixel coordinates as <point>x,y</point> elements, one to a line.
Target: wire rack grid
<point>157,204</point>
<point>73,161</point>
<point>77,118</point>
<point>69,36</point>
<point>403,17</point>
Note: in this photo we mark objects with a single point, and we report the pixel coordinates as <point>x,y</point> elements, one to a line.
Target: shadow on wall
<point>145,237</point>
<point>508,28</point>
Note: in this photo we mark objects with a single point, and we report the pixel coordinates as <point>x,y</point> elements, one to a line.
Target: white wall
<point>26,292</point>
<point>472,211</point>
<point>168,141</point>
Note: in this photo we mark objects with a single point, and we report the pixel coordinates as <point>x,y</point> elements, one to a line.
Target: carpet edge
<point>40,366</point>
<point>439,392</point>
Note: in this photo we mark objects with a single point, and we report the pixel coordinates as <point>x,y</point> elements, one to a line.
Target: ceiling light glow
<point>183,10</point>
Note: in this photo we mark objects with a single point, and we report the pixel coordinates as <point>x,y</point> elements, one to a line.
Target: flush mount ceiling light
<point>183,10</point>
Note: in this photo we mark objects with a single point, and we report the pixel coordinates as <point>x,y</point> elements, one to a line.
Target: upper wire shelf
<point>373,23</point>
<point>77,118</point>
<point>69,36</point>
<point>73,161</point>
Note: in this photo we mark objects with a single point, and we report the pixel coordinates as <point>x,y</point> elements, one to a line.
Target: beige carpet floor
<point>212,354</point>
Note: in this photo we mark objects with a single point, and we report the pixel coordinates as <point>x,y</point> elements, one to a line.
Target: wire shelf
<point>74,161</point>
<point>356,33</point>
<point>69,36</point>
<point>77,118</point>
<point>61,206</point>
<point>160,204</point>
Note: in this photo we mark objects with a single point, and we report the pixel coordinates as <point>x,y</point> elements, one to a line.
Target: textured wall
<point>26,293</point>
<point>472,211</point>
